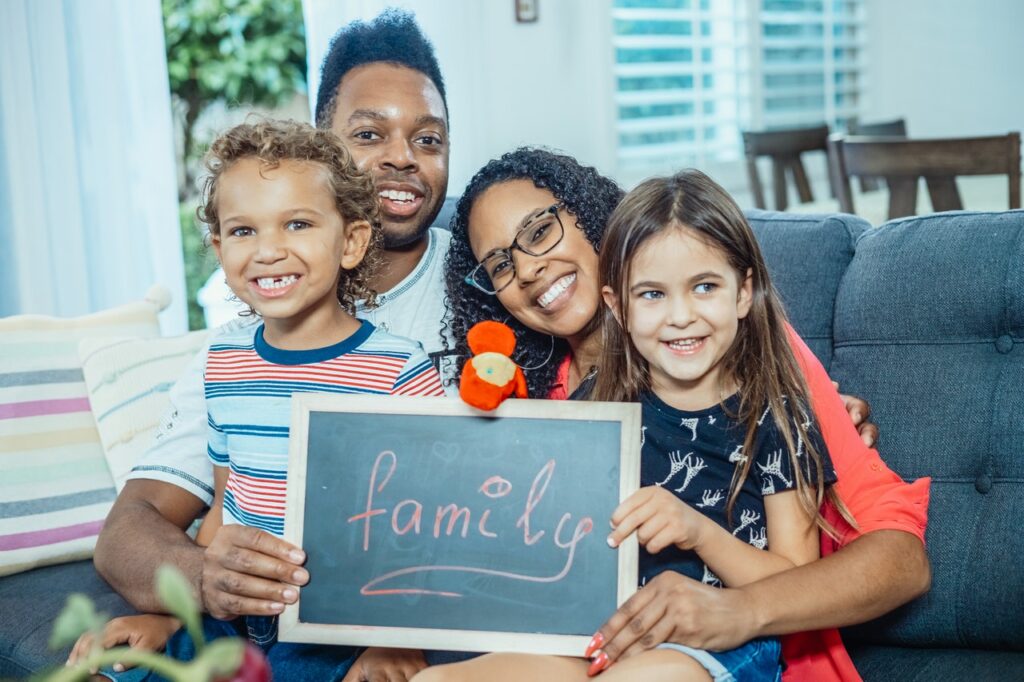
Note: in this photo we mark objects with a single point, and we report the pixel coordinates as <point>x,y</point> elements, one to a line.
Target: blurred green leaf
<point>175,592</point>
<point>79,616</point>
<point>224,656</point>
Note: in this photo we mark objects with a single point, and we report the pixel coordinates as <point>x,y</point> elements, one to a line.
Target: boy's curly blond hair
<point>274,141</point>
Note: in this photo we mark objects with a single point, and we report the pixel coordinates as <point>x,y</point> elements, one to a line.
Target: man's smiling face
<point>393,121</point>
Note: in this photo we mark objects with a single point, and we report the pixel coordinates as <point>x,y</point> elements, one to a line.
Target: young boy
<point>294,224</point>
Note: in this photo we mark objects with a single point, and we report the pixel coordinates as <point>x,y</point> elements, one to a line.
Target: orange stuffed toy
<point>490,375</point>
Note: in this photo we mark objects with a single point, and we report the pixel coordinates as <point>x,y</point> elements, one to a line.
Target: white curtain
<point>88,198</point>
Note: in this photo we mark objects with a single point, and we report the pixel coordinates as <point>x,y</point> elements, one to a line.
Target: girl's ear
<point>612,301</point>
<point>746,294</point>
<point>357,239</point>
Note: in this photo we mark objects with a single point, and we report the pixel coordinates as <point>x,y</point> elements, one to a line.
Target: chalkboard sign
<point>429,524</point>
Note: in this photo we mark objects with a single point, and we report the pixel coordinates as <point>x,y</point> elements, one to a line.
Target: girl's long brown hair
<point>760,359</point>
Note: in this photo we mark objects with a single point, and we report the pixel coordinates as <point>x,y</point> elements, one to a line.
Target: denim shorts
<point>759,660</point>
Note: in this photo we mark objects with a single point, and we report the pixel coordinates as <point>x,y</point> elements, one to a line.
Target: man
<point>382,93</point>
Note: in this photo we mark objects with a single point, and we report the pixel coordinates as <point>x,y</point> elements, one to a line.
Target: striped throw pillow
<point>55,488</point>
<point>128,381</point>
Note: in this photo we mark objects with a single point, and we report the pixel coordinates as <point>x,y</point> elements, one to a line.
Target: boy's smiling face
<point>282,244</point>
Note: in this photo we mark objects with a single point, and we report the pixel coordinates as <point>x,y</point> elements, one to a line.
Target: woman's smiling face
<point>556,293</point>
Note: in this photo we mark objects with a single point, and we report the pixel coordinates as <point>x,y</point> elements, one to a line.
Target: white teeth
<point>275,282</point>
<point>556,290</point>
<point>684,344</point>
<point>395,195</point>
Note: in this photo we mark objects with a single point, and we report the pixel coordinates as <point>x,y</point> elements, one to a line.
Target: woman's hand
<point>860,414</point>
<point>660,519</point>
<point>148,632</point>
<point>673,608</point>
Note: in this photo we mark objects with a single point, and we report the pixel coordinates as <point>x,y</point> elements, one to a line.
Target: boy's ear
<point>215,243</point>
<point>746,294</point>
<point>612,301</point>
<point>357,240</point>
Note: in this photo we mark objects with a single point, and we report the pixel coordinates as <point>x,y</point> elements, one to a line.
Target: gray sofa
<point>925,317</point>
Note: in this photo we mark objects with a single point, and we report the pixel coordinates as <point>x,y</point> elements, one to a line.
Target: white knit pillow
<point>128,381</point>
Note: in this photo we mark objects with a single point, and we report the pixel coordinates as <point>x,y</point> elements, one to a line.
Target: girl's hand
<point>148,632</point>
<point>660,519</point>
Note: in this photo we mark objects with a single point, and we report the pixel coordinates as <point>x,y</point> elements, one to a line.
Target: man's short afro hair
<point>392,37</point>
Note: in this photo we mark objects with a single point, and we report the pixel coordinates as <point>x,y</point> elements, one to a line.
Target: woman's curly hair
<point>273,141</point>
<point>587,195</point>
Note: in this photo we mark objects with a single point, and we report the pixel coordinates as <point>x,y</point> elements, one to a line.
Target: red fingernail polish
<point>596,642</point>
<point>599,664</point>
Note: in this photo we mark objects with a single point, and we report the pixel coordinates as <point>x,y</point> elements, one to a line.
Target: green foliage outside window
<point>240,53</point>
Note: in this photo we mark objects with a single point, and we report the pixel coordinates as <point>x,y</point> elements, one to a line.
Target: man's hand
<point>860,412</point>
<point>249,572</point>
<point>386,665</point>
<point>674,608</point>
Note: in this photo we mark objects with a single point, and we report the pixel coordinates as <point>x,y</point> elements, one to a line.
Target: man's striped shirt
<point>249,385</point>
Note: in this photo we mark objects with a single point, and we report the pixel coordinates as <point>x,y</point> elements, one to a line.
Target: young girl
<point>733,470</point>
<point>293,223</point>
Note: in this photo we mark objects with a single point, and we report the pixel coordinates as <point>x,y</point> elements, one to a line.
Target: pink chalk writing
<point>457,520</point>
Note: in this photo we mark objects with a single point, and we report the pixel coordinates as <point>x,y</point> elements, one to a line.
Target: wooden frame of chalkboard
<point>429,524</point>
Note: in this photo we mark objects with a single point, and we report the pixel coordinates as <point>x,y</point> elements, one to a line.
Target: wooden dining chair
<point>938,161</point>
<point>784,148</point>
<point>894,128</point>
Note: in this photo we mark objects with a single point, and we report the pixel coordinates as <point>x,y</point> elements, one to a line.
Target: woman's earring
<point>551,352</point>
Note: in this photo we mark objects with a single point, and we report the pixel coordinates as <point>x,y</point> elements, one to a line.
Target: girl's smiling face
<point>685,302</point>
<point>556,293</point>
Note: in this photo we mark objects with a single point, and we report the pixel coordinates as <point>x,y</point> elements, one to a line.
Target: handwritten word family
<point>405,516</point>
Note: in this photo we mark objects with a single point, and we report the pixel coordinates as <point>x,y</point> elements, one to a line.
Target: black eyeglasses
<point>535,238</point>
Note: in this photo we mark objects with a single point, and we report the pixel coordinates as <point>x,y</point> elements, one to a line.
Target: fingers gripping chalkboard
<point>429,524</point>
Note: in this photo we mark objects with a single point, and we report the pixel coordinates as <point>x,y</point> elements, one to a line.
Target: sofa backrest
<point>929,327</point>
<point>807,256</point>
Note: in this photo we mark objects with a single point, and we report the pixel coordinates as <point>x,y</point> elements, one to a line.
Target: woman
<point>524,251</point>
<point>553,308</point>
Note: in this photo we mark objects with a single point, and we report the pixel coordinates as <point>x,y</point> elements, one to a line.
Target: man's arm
<point>244,571</point>
<point>146,528</point>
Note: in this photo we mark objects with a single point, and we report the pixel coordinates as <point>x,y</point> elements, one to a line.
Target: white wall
<point>949,67</point>
<point>509,84</point>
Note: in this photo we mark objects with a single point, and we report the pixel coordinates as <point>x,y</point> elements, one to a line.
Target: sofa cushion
<point>127,381</point>
<point>930,327</point>
<point>32,600</point>
<point>807,256</point>
<point>883,664</point>
<point>54,483</point>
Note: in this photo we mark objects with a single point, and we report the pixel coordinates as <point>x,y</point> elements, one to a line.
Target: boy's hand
<point>247,572</point>
<point>659,518</point>
<point>148,632</point>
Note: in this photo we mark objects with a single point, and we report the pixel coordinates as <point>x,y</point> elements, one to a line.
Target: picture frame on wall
<point>526,11</point>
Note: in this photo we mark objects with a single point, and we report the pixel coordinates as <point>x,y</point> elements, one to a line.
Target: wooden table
<point>979,193</point>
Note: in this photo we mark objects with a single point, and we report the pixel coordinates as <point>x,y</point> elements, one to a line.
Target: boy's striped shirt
<point>248,396</point>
